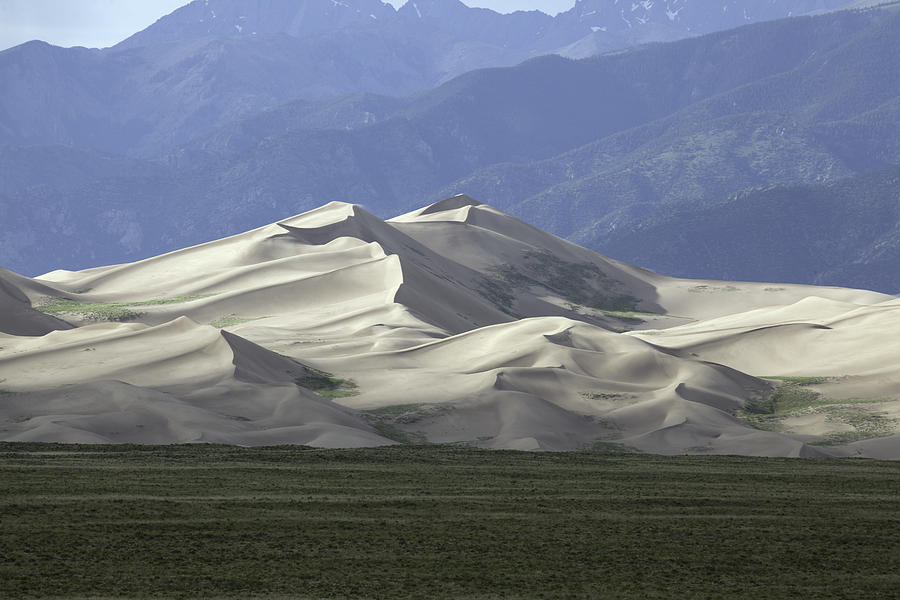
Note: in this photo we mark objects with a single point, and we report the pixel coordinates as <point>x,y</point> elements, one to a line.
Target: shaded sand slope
<point>528,261</point>
<point>177,382</point>
<point>17,317</point>
<point>454,323</point>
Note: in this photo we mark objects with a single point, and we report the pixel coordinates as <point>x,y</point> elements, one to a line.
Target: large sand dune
<point>534,262</point>
<point>554,383</point>
<point>176,382</point>
<point>453,323</point>
<point>841,353</point>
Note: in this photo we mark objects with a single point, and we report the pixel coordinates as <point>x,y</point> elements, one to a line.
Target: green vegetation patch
<point>800,380</point>
<point>89,311</point>
<point>866,424</point>
<point>326,384</point>
<point>441,522</point>
<point>409,412</point>
<point>392,432</point>
<point>105,311</point>
<point>793,398</point>
<point>388,419</point>
<point>234,320</point>
<point>629,314</point>
<point>175,300</point>
<point>790,397</point>
<point>605,445</point>
<point>711,289</point>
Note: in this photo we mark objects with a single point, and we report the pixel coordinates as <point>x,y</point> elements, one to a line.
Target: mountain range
<point>214,61</point>
<point>600,150</point>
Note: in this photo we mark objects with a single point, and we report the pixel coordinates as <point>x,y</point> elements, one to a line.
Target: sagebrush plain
<point>440,522</point>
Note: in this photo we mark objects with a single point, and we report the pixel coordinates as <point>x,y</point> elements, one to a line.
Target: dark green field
<point>441,522</point>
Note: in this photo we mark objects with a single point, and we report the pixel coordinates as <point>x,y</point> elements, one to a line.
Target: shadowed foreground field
<point>441,522</point>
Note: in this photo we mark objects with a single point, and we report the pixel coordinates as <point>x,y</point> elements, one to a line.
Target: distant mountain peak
<point>698,16</point>
<point>238,18</point>
<point>432,9</point>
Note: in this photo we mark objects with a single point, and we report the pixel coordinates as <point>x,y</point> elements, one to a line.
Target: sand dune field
<point>455,323</point>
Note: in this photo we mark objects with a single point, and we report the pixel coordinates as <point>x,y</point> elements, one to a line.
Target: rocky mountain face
<point>846,231</point>
<point>604,24</point>
<point>239,19</point>
<point>594,150</point>
<point>212,62</point>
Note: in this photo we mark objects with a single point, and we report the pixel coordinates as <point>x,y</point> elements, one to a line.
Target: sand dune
<point>844,354</point>
<point>555,383</point>
<point>812,337</point>
<point>17,317</point>
<point>453,323</point>
<point>488,240</point>
<point>313,268</point>
<point>176,382</point>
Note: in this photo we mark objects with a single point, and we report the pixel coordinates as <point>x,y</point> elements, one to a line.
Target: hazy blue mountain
<point>842,233</point>
<point>833,110</point>
<point>151,98</point>
<point>240,18</point>
<point>607,25</point>
<point>216,61</point>
<point>583,148</point>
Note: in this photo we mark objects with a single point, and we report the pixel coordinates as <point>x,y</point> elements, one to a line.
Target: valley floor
<point>440,522</point>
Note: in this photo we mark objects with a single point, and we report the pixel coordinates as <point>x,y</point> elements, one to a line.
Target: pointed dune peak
<point>455,208</point>
<point>462,208</point>
<point>451,203</point>
<point>341,220</point>
<point>329,214</point>
<point>255,364</point>
<point>335,220</point>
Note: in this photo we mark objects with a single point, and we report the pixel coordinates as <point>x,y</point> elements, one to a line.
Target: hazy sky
<point>102,23</point>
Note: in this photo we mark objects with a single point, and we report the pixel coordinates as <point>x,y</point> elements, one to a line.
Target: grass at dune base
<point>440,522</point>
<point>793,398</point>
<point>386,420</point>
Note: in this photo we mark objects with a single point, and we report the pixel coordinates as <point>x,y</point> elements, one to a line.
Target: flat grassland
<point>441,522</point>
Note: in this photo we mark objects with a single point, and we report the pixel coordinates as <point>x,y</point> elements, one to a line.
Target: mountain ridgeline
<point>214,61</point>
<point>848,229</point>
<point>604,150</point>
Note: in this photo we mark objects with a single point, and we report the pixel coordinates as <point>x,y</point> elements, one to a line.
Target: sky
<point>102,23</point>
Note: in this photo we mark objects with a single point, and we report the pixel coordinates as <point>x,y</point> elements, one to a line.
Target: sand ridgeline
<point>454,323</point>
